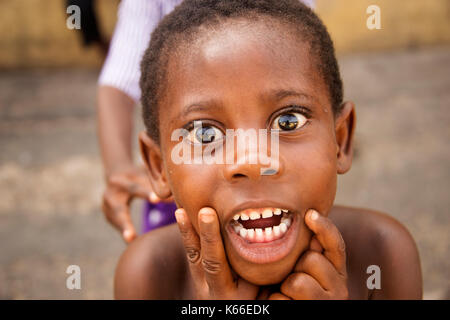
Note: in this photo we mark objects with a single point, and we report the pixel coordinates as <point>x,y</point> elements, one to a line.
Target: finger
<point>217,271</point>
<point>136,186</point>
<point>191,242</point>
<point>278,296</point>
<point>314,245</point>
<point>320,268</point>
<point>153,198</point>
<point>263,293</point>
<point>301,286</point>
<point>329,237</point>
<point>168,200</point>
<point>115,208</point>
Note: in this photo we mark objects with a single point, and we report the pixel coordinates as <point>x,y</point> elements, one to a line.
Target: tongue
<point>261,223</point>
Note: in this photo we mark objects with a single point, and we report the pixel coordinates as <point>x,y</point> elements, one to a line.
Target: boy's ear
<point>151,154</point>
<point>345,126</point>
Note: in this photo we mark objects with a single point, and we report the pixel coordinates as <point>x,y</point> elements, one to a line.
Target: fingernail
<point>314,215</point>
<point>179,216</point>
<point>153,197</point>
<point>127,234</point>
<point>206,217</point>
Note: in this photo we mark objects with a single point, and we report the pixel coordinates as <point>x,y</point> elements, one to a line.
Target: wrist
<point>119,168</point>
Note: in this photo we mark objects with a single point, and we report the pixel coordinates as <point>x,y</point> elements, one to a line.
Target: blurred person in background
<point>90,32</point>
<point>118,93</point>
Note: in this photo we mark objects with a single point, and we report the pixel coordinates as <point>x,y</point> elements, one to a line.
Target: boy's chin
<point>264,275</point>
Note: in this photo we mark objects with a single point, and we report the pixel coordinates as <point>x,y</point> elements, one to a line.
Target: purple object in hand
<point>157,215</point>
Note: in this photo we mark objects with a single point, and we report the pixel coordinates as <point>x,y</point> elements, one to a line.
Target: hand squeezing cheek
<point>317,274</point>
<point>208,263</point>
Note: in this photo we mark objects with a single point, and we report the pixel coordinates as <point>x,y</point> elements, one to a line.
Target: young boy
<point>242,233</point>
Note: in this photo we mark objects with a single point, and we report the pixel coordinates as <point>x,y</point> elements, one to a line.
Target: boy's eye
<point>205,135</point>
<point>289,121</point>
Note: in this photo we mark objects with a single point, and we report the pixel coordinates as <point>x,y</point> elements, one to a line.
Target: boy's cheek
<point>314,173</point>
<point>322,192</point>
<point>192,188</point>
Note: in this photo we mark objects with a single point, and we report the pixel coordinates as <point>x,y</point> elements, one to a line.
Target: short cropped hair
<point>186,19</point>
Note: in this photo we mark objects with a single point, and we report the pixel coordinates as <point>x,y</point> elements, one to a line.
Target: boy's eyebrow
<point>204,105</point>
<point>283,93</point>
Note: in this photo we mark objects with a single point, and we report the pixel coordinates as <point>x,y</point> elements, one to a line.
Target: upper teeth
<point>267,213</point>
<point>253,215</point>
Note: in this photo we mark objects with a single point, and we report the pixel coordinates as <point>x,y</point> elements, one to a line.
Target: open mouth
<point>263,235</point>
<point>262,225</point>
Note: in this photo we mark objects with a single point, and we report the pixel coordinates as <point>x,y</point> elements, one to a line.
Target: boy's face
<point>253,77</point>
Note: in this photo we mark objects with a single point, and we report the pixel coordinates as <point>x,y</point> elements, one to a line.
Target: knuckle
<point>209,238</point>
<point>185,234</point>
<point>193,254</point>
<point>310,259</point>
<point>302,263</point>
<point>313,257</point>
<point>292,285</point>
<point>294,281</point>
<point>297,281</point>
<point>211,266</point>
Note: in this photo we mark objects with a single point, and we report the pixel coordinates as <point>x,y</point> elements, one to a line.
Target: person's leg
<point>157,215</point>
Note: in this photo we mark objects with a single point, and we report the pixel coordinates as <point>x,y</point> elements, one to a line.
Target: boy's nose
<point>236,171</point>
<point>252,164</point>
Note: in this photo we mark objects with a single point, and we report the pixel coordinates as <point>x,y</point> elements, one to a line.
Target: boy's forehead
<point>238,40</point>
<point>250,58</point>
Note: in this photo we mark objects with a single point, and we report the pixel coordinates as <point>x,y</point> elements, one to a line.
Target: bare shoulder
<point>376,238</point>
<point>152,267</point>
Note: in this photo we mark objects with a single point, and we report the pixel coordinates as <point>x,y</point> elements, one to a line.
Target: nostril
<point>239,175</point>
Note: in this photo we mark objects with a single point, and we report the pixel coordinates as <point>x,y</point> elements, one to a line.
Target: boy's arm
<point>401,276</point>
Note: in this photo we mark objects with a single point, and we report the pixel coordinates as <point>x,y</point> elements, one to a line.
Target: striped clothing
<point>135,21</point>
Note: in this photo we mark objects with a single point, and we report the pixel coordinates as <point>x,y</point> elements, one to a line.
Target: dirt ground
<point>51,174</point>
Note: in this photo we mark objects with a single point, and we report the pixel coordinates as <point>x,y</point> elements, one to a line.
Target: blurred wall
<point>33,33</point>
<point>404,23</point>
